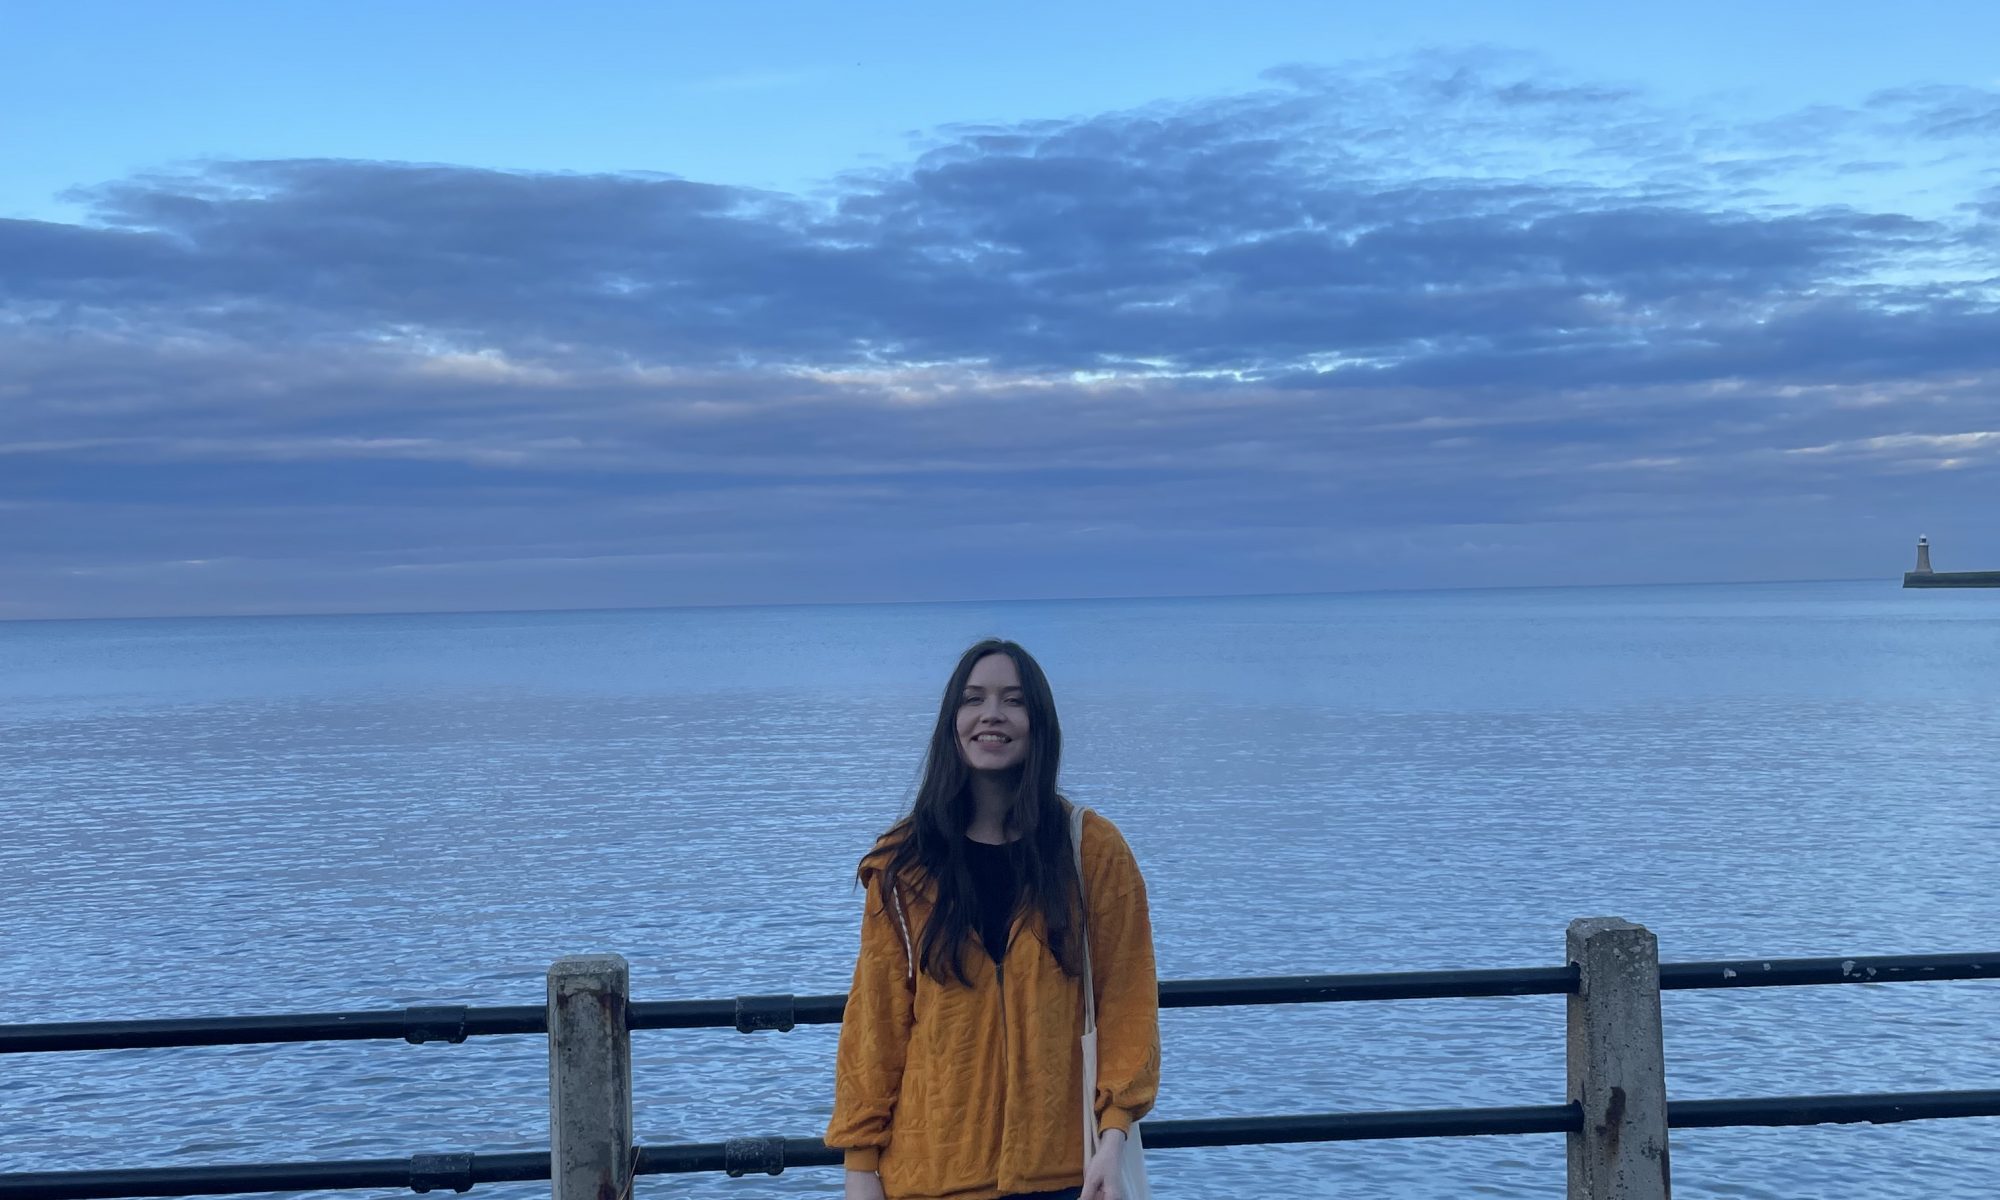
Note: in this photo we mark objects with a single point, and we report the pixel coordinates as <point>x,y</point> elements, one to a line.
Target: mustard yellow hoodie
<point>956,1093</point>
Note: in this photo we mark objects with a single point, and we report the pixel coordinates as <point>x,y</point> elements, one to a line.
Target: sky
<point>359,307</point>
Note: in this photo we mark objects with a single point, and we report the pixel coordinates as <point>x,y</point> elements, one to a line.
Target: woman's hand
<point>864,1185</point>
<point>1102,1180</point>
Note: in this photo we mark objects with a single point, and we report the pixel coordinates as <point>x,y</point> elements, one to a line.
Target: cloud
<point>1954,448</point>
<point>1944,111</point>
<point>1439,291</point>
<point>1255,236</point>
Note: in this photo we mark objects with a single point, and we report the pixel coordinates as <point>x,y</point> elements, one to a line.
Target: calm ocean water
<point>223,816</point>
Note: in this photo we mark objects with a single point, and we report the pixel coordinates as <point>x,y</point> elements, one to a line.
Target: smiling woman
<point>991,909</point>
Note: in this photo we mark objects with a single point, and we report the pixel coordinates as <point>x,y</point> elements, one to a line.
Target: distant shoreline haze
<point>948,601</point>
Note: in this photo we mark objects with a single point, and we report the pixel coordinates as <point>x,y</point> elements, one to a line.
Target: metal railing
<point>1612,979</point>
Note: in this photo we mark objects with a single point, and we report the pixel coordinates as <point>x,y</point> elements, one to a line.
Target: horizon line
<point>627,608</point>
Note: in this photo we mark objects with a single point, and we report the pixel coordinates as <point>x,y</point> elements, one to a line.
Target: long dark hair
<point>929,843</point>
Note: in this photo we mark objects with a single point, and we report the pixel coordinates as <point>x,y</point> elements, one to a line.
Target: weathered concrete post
<point>590,1078</point>
<point>1617,1064</point>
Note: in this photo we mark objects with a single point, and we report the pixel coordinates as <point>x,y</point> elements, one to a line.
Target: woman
<point>960,1066</point>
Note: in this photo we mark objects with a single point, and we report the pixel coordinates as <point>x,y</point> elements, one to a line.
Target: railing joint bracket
<point>741,1156</point>
<point>437,1023</point>
<point>754,1013</point>
<point>428,1171</point>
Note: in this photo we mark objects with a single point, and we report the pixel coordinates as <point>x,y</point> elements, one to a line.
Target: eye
<point>1016,700</point>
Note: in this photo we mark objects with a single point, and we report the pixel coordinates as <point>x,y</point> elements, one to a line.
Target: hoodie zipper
<point>1000,976</point>
<point>1000,980</point>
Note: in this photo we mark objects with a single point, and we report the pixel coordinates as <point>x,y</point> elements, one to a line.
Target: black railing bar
<point>773,1155</point>
<point>452,1023</point>
<point>746,1013</point>
<point>1365,1126</point>
<point>438,1023</point>
<point>742,1155</point>
<point>752,1013</point>
<point>1877,1108</point>
<point>1791,972</point>
<point>419,1172</point>
<point>1385,985</point>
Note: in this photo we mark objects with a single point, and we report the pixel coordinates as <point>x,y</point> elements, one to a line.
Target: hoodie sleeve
<point>1128,988</point>
<point>874,1036</point>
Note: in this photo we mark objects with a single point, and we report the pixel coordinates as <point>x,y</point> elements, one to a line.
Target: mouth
<point>991,739</point>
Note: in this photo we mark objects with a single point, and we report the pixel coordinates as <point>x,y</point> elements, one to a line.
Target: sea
<point>263,815</point>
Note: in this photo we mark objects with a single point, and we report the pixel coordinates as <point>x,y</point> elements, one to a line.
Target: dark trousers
<point>1065,1194</point>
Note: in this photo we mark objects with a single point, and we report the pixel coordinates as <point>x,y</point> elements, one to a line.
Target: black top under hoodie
<point>993,876</point>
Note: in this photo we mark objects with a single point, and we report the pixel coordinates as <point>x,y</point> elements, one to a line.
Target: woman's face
<point>993,716</point>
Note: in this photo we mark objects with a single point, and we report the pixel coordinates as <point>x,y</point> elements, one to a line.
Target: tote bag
<point>1132,1167</point>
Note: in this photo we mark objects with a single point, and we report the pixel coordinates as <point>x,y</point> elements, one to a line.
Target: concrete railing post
<point>1617,1064</point>
<point>590,1078</point>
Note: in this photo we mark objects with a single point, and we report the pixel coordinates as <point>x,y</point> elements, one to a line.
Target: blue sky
<point>359,307</point>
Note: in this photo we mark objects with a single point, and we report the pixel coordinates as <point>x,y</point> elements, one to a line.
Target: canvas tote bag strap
<point>1132,1166</point>
<point>1083,918</point>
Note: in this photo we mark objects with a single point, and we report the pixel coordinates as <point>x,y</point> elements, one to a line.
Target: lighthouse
<point>1924,577</point>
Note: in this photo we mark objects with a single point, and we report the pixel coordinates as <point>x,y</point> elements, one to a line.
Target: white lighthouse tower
<point>1923,556</point>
